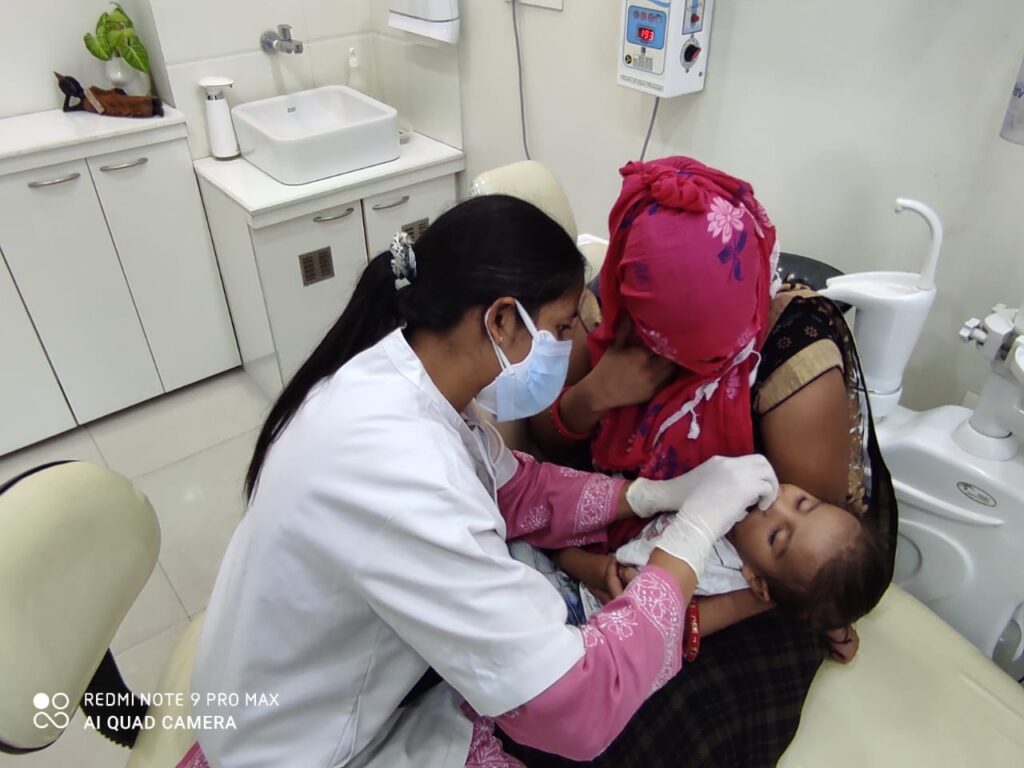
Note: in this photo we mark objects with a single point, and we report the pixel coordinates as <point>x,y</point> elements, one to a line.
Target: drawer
<point>308,268</point>
<point>410,208</point>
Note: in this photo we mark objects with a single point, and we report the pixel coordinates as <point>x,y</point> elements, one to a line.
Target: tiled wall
<point>191,39</point>
<point>421,81</point>
<point>44,36</point>
<point>195,30</point>
<point>258,75</point>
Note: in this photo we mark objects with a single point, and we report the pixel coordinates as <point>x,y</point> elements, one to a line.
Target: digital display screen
<point>646,33</point>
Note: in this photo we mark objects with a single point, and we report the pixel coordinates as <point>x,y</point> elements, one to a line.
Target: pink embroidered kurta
<point>633,646</point>
<point>553,507</point>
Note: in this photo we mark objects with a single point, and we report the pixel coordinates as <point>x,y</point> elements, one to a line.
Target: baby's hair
<point>845,588</point>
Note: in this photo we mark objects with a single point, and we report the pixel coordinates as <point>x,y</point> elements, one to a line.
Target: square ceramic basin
<point>311,135</point>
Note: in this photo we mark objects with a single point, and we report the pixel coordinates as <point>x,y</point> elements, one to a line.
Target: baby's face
<point>794,537</point>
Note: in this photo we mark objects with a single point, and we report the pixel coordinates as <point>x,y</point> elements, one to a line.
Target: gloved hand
<point>725,490</point>
<point>648,498</point>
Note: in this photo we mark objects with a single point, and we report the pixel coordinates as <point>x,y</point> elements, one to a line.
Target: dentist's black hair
<point>477,252</point>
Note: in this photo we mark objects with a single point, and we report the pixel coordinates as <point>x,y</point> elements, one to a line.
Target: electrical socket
<point>554,5</point>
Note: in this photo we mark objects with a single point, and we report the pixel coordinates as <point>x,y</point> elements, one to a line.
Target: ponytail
<point>475,253</point>
<point>368,318</point>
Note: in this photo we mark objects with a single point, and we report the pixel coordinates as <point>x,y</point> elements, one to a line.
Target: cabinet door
<point>308,268</point>
<point>150,198</point>
<point>59,251</point>
<point>32,407</point>
<point>411,208</point>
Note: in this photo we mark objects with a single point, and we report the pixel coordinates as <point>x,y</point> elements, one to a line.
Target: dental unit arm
<point>996,428</point>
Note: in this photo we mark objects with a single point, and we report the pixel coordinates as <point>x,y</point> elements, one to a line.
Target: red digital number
<point>646,34</point>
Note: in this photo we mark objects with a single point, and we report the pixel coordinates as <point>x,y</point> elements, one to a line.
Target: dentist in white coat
<point>372,558</point>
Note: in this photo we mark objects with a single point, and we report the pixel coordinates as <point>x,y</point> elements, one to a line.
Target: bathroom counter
<point>73,135</point>
<point>268,201</point>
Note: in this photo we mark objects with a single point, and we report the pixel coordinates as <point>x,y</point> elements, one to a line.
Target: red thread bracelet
<point>559,425</point>
<point>692,643</point>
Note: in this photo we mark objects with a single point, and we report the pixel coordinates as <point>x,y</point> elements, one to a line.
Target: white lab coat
<point>372,549</point>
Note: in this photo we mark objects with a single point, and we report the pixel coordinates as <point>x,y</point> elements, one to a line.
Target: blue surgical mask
<point>526,388</point>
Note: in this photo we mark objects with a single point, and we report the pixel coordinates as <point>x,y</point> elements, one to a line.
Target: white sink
<point>310,135</point>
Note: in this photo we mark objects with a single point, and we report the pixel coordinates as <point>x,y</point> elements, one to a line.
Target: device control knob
<point>690,53</point>
<point>972,331</point>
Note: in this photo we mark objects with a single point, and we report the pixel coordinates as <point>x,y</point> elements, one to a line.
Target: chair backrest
<point>77,544</point>
<point>530,181</point>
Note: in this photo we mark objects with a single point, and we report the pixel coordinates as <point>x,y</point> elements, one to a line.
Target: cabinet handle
<point>122,166</point>
<point>51,182</point>
<point>384,206</point>
<point>335,217</point>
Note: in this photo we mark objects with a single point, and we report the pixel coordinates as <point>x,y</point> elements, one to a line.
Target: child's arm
<point>598,572</point>
<point>720,611</point>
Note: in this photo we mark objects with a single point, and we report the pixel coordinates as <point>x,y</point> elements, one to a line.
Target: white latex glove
<point>648,498</point>
<point>726,489</point>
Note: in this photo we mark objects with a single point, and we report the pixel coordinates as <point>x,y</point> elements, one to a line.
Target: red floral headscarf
<point>691,262</point>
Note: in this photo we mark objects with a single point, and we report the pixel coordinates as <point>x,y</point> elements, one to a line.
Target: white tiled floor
<point>187,452</point>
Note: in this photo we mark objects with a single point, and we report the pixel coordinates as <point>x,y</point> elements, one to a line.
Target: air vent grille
<point>415,229</point>
<point>316,266</point>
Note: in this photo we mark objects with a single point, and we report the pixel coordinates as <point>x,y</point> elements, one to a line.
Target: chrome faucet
<point>280,41</point>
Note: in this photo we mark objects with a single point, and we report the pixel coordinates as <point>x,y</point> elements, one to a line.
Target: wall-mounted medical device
<point>664,45</point>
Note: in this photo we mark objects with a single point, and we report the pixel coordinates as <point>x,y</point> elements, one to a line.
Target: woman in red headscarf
<point>698,354</point>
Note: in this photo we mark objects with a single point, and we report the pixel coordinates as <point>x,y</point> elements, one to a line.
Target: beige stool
<point>77,544</point>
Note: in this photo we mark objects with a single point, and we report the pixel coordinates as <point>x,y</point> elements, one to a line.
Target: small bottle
<point>356,79</point>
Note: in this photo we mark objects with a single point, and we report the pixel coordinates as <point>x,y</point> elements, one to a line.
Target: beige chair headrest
<point>77,544</point>
<point>530,181</point>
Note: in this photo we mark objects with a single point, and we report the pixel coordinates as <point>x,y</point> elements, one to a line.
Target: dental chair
<point>77,544</point>
<point>917,694</point>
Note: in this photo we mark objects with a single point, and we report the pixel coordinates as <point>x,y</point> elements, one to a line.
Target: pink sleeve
<point>633,646</point>
<point>553,507</point>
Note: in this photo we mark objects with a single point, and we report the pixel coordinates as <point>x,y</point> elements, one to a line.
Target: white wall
<point>44,36</point>
<point>830,109</point>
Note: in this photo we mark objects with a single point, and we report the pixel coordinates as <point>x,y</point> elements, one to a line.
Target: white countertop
<point>257,192</point>
<point>41,131</point>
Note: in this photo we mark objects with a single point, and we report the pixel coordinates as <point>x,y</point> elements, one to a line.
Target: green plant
<point>115,34</point>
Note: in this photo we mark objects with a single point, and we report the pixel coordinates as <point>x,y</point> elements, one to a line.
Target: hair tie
<point>403,259</point>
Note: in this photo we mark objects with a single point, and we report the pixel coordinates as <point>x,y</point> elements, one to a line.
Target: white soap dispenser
<point>356,78</point>
<point>223,144</point>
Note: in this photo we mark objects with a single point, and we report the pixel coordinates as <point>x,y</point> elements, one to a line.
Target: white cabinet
<point>308,267</point>
<point>410,208</point>
<point>109,288</point>
<point>291,256</point>
<point>32,407</point>
<point>152,206</point>
<point>55,240</point>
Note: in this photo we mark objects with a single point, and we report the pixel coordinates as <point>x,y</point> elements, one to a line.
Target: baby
<point>822,564</point>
